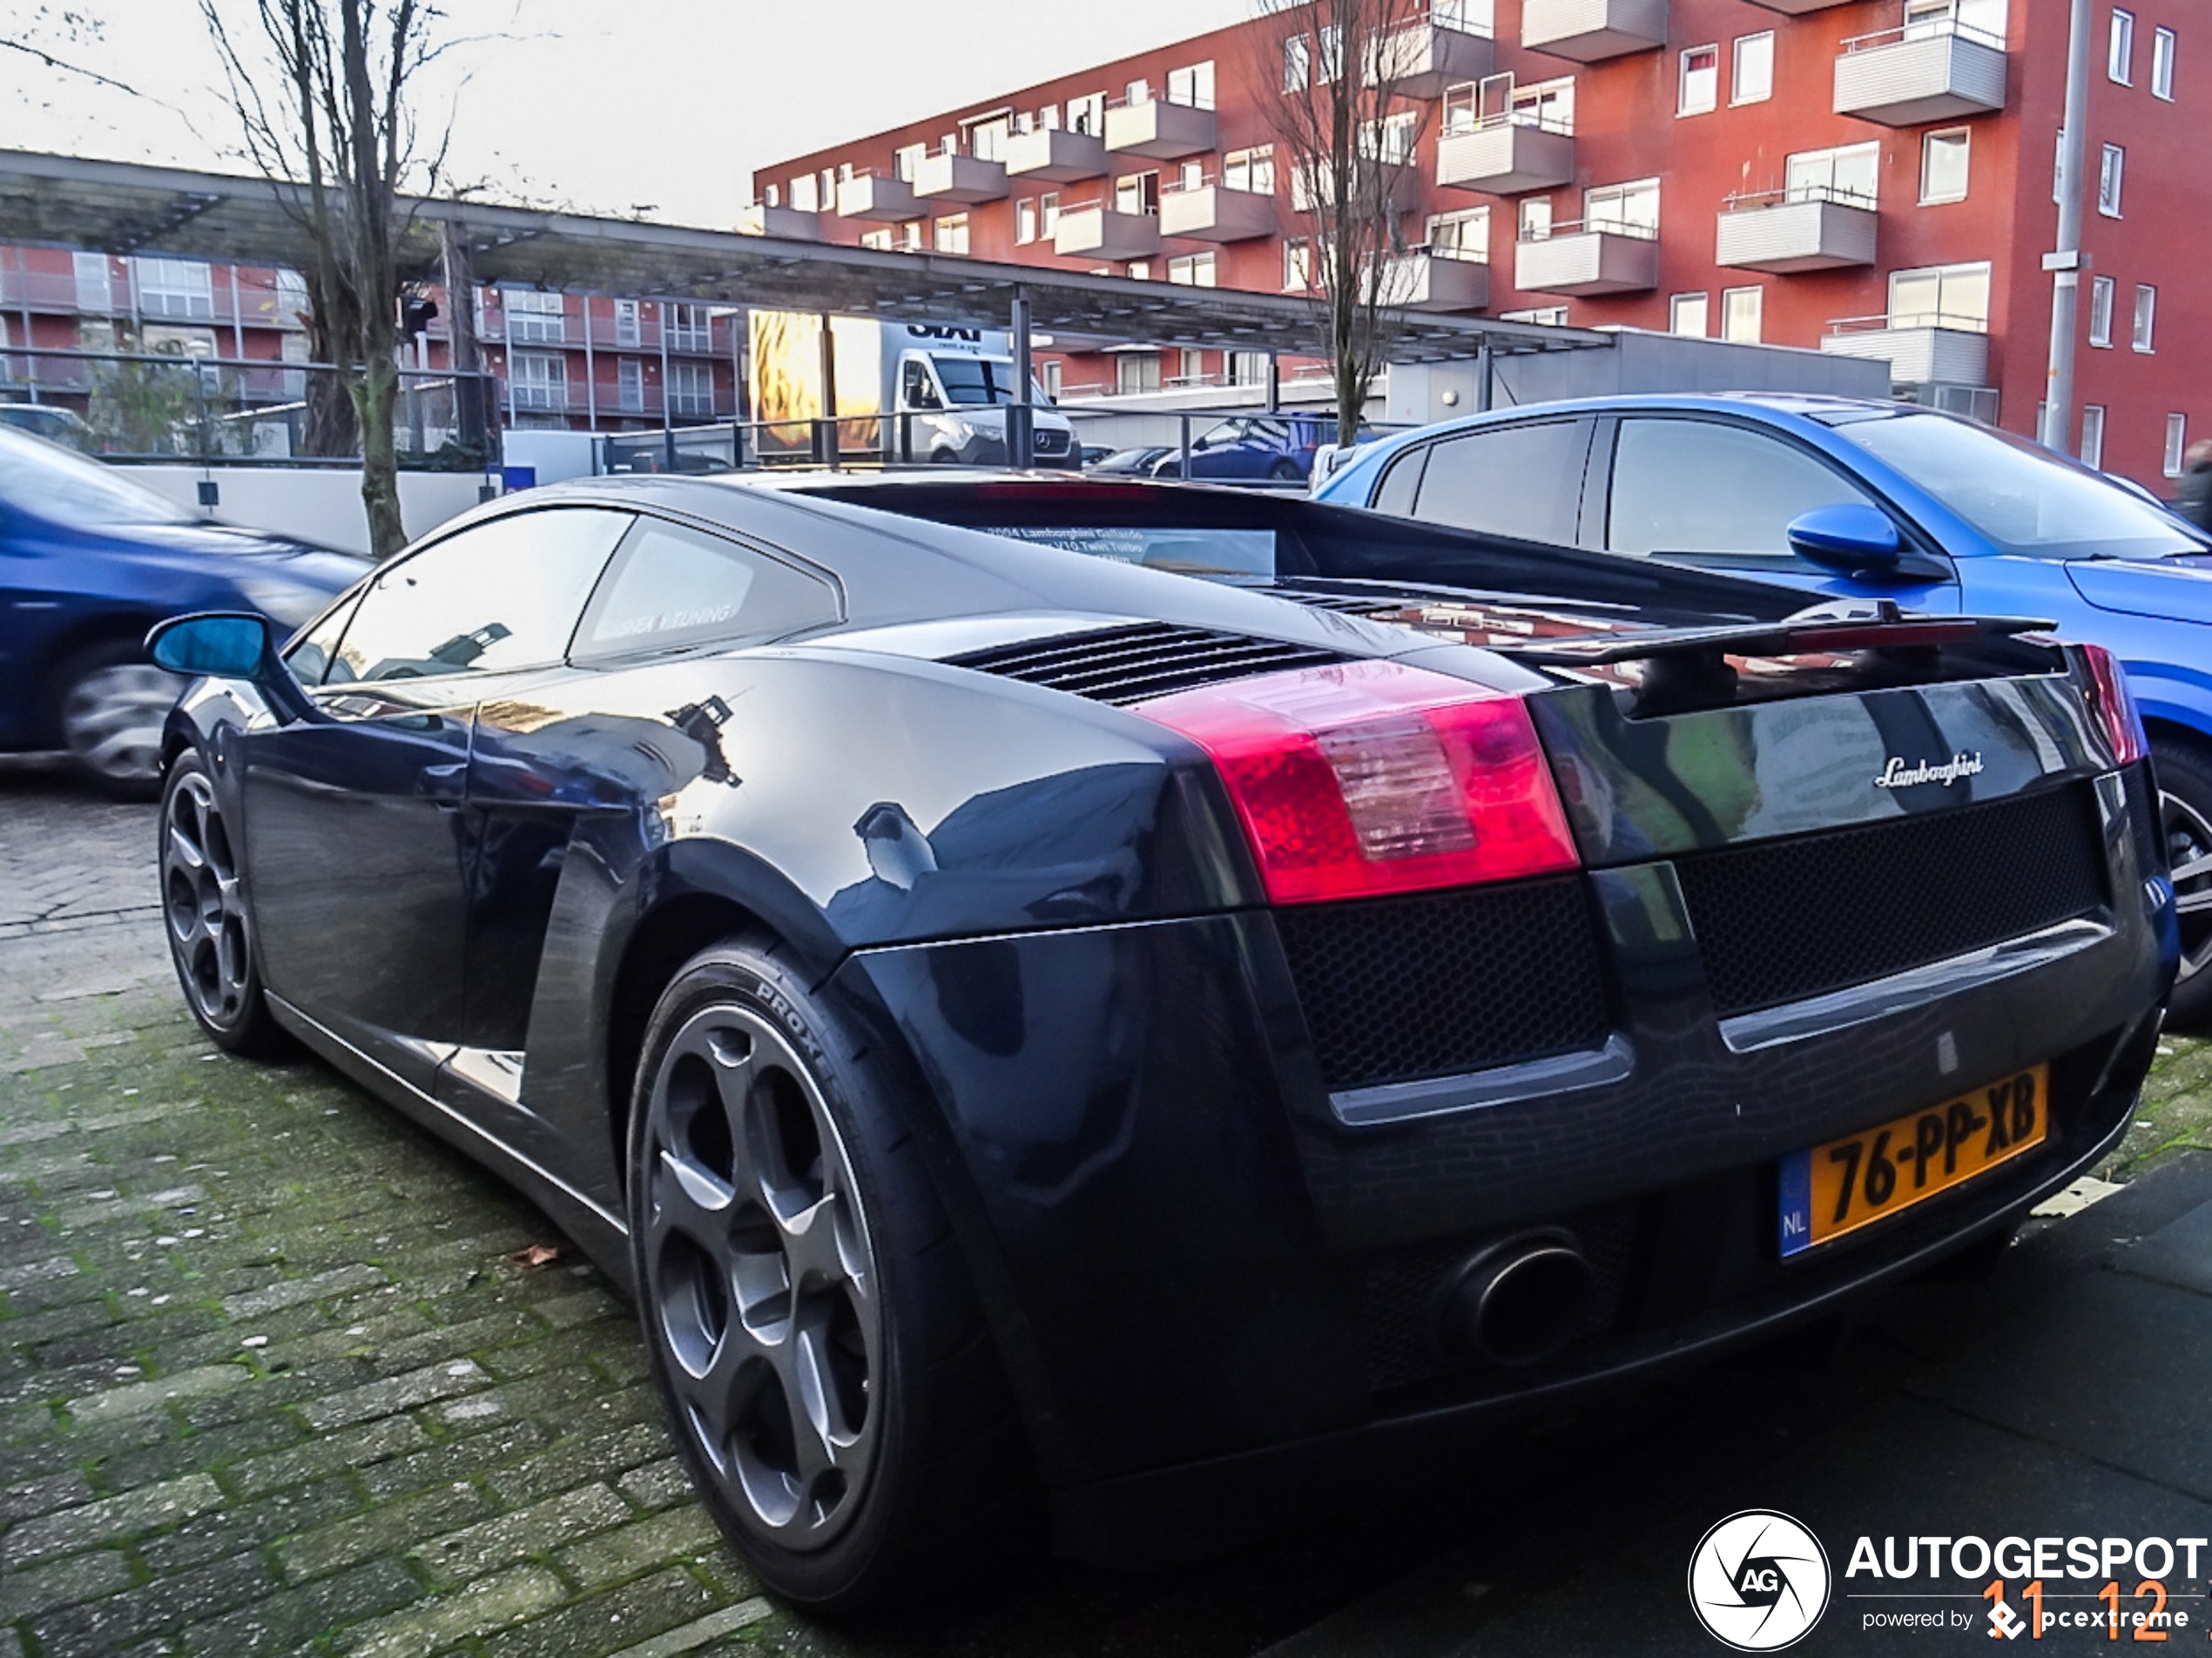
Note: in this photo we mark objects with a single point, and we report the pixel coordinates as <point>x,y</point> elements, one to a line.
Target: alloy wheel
<point>761,1278</point>
<point>111,720</point>
<point>204,899</point>
<point>2189,850</point>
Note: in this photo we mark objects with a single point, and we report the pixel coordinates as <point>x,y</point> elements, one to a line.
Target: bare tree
<point>323,93</point>
<point>1351,130</point>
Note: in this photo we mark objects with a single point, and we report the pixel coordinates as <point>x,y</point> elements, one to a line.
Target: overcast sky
<point>609,105</point>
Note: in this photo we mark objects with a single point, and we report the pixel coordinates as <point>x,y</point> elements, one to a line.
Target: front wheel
<point>826,1371</point>
<point>205,916</point>
<point>2185,814</point>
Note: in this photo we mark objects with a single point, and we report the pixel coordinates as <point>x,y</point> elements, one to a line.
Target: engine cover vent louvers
<point>1131,664</point>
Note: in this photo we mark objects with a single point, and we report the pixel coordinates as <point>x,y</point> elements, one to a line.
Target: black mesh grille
<point>1152,659</point>
<point>1793,919</point>
<point>2145,819</point>
<point>1399,988</point>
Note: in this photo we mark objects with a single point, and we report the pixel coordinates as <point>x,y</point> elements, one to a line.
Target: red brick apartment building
<point>1870,176</point>
<point>564,362</point>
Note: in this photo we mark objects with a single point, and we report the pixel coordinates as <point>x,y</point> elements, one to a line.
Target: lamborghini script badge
<point>1898,775</point>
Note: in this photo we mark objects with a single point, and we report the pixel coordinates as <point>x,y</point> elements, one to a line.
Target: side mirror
<point>229,645</point>
<point>1849,539</point>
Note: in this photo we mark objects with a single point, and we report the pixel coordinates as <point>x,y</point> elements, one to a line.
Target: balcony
<point>1925,72</point>
<point>790,223</point>
<point>1921,349</point>
<point>1098,232</point>
<point>1589,31</point>
<point>1579,260</point>
<point>1820,229</point>
<point>1799,8</point>
<point>1156,128</point>
<point>1423,278</point>
<point>1055,157</point>
<point>881,197</point>
<point>1505,157</point>
<point>1214,212</point>
<point>956,178</point>
<point>1422,60</point>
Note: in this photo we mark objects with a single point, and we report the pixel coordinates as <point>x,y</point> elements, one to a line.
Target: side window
<point>916,388</point>
<point>671,586</point>
<point>1524,481</point>
<point>1400,483</point>
<point>1700,487</point>
<point>505,593</point>
<point>309,658</point>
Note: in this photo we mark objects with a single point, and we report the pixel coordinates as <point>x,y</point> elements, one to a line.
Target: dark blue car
<point>88,560</point>
<point>1277,448</point>
<point>1859,499</point>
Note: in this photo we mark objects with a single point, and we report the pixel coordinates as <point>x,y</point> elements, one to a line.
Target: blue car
<point>1245,448</point>
<point>88,560</point>
<point>1861,500</point>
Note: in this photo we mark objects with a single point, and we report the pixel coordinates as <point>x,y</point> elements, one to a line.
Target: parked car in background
<point>1245,449</point>
<point>63,426</point>
<point>1861,499</point>
<point>1179,1009</point>
<point>89,560</point>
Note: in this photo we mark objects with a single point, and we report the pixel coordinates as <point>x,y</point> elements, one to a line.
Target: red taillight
<point>2114,707</point>
<point>1371,777</point>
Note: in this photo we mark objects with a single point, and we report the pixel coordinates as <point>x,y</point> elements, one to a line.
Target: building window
<point>1687,315</point>
<point>2092,437</point>
<point>1331,38</point>
<point>1751,68</point>
<point>690,388</point>
<point>952,234</point>
<point>1944,159</point>
<point>1298,266</point>
<point>1700,88</point>
<point>2119,56</point>
<point>95,292</point>
<point>626,329</point>
<point>1192,87</point>
<point>537,379</point>
<point>1189,368</point>
<point>1941,296</point>
<point>1088,113</point>
<point>1461,235</point>
<point>1049,377</point>
<point>2146,316</point>
<point>1193,270</point>
<point>291,300</point>
<point>905,159</point>
<point>2100,298</point>
<point>1025,220</point>
<point>630,385</point>
<point>1741,311</point>
<point>1391,140</point>
<point>535,317</point>
<point>689,327</point>
<point>2161,64</point>
<point>910,237</point>
<point>1252,170</point>
<point>1632,209</point>
<point>2109,177</point>
<point>1048,214</point>
<point>1550,315</point>
<point>1136,371</point>
<point>171,287</point>
<point>879,241</point>
<point>1138,193</point>
<point>807,193</point>
<point>1536,219</point>
<point>1191,175</point>
<point>1850,174</point>
<point>1139,270</point>
<point>1247,367</point>
<point>2177,443</point>
<point>773,196</point>
<point>1297,63</point>
<point>986,134</point>
<point>1049,118</point>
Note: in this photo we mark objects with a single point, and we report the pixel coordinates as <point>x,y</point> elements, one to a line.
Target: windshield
<point>2024,499</point>
<point>973,381</point>
<point>51,482</point>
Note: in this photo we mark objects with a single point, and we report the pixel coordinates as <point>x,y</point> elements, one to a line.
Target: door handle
<point>448,782</point>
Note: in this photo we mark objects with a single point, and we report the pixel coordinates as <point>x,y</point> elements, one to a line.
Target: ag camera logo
<point>1759,1581</point>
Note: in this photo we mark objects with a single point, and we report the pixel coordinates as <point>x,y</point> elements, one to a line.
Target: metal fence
<point>159,406</point>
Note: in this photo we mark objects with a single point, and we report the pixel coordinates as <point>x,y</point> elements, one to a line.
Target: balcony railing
<point>951,177</point>
<point>1806,227</point>
<point>1438,278</point>
<point>253,305</point>
<point>1159,129</point>
<point>792,224</point>
<point>1093,230</point>
<point>1933,70</point>
<point>1922,347</point>
<point>882,198</point>
<point>1212,211</point>
<point>1603,255</point>
<point>1508,153</point>
<point>1056,155</point>
<point>1421,59</point>
<point>1589,31</point>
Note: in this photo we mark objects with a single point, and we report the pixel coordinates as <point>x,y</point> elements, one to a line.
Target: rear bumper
<point>1204,1277</point>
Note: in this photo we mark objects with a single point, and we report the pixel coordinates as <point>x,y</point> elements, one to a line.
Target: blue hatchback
<point>88,560</point>
<point>1858,499</point>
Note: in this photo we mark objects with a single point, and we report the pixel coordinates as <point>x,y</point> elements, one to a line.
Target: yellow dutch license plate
<point>1865,1177</point>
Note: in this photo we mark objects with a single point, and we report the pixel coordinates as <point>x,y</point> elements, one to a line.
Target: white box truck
<point>906,391</point>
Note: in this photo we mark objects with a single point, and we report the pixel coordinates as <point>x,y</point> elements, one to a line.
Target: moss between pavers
<point>2174,1115</point>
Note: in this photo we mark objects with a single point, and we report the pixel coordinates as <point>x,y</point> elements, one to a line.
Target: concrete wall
<point>315,503</point>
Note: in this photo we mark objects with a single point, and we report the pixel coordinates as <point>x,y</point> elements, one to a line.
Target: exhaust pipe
<point>1518,1301</point>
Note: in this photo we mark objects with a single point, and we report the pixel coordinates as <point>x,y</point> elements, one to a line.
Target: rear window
<point>1187,552</point>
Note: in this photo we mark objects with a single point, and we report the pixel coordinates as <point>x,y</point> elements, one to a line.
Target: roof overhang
<point>121,207</point>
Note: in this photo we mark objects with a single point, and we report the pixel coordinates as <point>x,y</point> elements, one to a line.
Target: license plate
<point>1867,1176</point>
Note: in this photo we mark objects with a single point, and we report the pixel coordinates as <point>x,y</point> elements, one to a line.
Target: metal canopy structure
<point>121,207</point>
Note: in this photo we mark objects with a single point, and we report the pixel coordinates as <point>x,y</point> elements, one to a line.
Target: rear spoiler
<point>1876,625</point>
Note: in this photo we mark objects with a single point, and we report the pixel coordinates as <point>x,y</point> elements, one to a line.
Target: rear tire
<point>109,706</point>
<point>1286,472</point>
<point>207,919</point>
<point>826,1367</point>
<point>2185,803</point>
